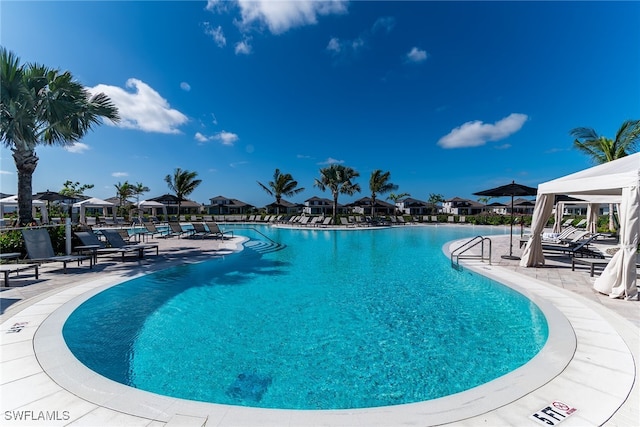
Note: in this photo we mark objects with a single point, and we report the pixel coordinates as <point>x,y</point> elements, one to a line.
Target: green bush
<point>57,239</point>
<point>11,241</point>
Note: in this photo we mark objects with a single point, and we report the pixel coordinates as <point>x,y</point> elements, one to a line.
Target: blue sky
<point>450,97</point>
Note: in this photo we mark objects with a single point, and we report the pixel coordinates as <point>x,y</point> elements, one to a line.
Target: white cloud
<point>236,164</point>
<point>216,34</point>
<point>416,55</point>
<point>334,45</point>
<point>303,156</point>
<point>119,174</point>
<point>185,86</point>
<point>77,148</point>
<point>200,137</point>
<point>281,16</point>
<point>5,172</point>
<point>386,24</point>
<point>226,138</point>
<point>345,48</point>
<point>243,47</point>
<point>330,161</point>
<point>143,109</point>
<point>476,133</point>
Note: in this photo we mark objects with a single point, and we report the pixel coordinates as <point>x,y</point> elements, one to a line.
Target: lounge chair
<point>115,240</point>
<point>304,220</point>
<point>16,268</point>
<point>326,222</point>
<point>577,248</point>
<point>91,243</point>
<point>567,222</point>
<point>40,250</point>
<point>553,238</point>
<point>582,223</point>
<point>314,221</point>
<point>175,229</point>
<point>199,230</point>
<point>214,230</point>
<point>152,230</point>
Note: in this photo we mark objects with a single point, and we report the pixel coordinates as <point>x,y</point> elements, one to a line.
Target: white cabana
<point>154,206</point>
<point>613,182</point>
<point>93,202</point>
<point>12,201</point>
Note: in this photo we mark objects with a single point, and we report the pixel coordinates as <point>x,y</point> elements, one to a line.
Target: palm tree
<point>396,197</point>
<point>137,190</point>
<point>338,179</point>
<point>73,190</point>
<point>182,183</point>
<point>434,199</point>
<point>43,106</point>
<point>123,192</point>
<point>603,150</point>
<point>379,184</point>
<point>282,185</point>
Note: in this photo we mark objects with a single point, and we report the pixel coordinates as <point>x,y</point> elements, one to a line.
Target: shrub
<point>11,241</point>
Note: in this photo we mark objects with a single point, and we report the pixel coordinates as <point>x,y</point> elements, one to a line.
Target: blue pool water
<point>335,319</point>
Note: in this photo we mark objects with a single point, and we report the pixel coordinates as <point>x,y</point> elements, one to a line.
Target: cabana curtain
<point>532,255</point>
<point>615,280</point>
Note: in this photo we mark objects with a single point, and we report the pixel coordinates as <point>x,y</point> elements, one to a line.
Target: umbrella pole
<point>510,256</point>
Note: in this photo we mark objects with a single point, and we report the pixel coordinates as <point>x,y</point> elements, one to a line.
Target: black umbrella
<point>511,190</point>
<point>49,196</point>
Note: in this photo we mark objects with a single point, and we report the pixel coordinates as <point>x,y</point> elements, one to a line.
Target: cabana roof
<point>600,184</point>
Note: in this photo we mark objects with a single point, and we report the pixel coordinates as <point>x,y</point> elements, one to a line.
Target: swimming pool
<point>336,319</point>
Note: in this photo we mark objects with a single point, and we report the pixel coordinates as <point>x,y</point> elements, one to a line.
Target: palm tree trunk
<point>26,162</point>
<point>373,204</point>
<point>335,207</point>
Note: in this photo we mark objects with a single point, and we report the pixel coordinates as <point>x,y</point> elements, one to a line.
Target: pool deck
<point>594,371</point>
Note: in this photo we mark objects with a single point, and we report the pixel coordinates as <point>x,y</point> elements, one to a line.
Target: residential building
<point>221,205</point>
<point>362,206</point>
<point>320,206</point>
<point>285,207</point>
<point>171,202</point>
<point>458,206</point>
<point>411,206</point>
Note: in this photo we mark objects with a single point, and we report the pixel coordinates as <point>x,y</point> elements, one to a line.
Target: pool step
<point>263,247</point>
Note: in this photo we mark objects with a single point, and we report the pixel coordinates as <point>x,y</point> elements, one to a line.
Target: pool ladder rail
<point>461,251</point>
<point>262,247</point>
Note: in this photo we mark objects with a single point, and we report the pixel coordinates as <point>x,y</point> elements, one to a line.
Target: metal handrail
<point>472,243</point>
<point>260,233</point>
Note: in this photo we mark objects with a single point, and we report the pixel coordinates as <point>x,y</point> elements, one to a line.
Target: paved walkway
<point>607,346</point>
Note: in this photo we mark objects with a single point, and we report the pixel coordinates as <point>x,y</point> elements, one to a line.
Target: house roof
<point>320,199</point>
<point>233,202</point>
<point>411,202</point>
<point>170,199</point>
<point>283,203</point>
<point>465,202</point>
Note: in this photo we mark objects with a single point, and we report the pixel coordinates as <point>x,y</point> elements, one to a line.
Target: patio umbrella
<point>49,196</point>
<point>511,190</point>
